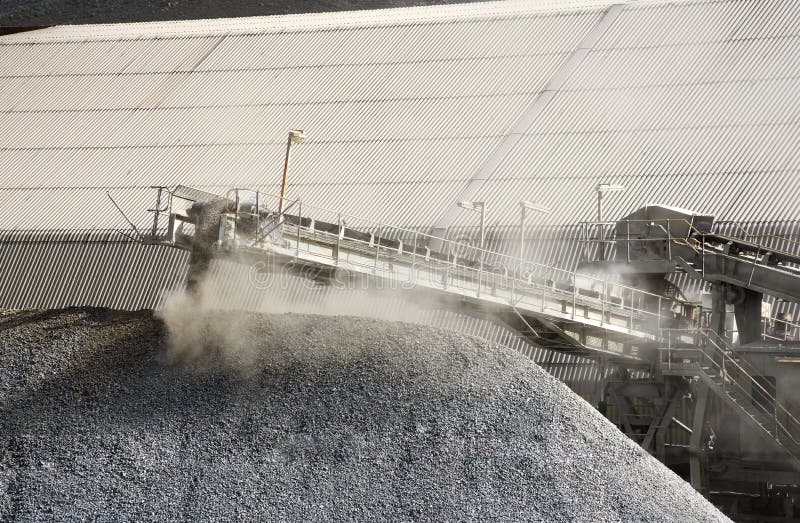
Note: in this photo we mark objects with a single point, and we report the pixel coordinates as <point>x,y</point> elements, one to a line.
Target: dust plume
<point>197,333</point>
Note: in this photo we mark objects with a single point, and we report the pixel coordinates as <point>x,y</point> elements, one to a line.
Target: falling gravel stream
<point>303,418</point>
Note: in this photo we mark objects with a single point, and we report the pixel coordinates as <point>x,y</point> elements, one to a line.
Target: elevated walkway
<point>553,308</point>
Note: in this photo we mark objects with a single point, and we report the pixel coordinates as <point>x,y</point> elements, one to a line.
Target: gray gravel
<point>291,417</point>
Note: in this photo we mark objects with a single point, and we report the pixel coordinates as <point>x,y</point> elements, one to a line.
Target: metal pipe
<point>295,135</point>
<point>377,246</point>
<point>669,349</point>
<point>659,314</point>
<point>299,223</point>
<point>158,211</point>
<point>603,305</point>
<point>723,369</point>
<point>339,234</point>
<point>236,220</point>
<point>285,173</point>
<point>414,257</point>
<point>669,240</point>
<point>483,220</point>
<point>522,233</point>
<point>628,239</point>
<point>574,295</point>
<point>601,252</point>
<point>258,221</point>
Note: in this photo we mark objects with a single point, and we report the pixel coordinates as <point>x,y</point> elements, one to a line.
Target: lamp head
<point>296,136</point>
<point>472,206</point>
<point>609,187</point>
<point>526,205</point>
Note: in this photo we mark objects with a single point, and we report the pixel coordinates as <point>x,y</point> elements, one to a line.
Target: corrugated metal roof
<point>690,103</point>
<point>406,16</point>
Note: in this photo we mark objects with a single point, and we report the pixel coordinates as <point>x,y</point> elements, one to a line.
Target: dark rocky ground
<point>51,12</point>
<point>290,417</point>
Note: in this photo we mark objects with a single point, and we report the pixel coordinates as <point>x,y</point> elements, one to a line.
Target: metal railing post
<point>658,312</point>
<point>414,257</point>
<point>512,291</point>
<point>669,240</point>
<point>603,304</point>
<point>378,245</point>
<point>630,306</point>
<point>236,220</point>
<point>574,295</point>
<point>544,291</point>
<point>258,221</point>
<point>339,234</point>
<point>447,265</point>
<point>299,224</point>
<point>669,349</point>
<point>628,239</point>
<point>584,246</point>
<point>703,255</point>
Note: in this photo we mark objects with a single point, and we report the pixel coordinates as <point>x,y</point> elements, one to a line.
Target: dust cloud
<point>198,334</point>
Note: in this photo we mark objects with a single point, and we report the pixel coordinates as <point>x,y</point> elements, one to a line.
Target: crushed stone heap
<point>292,417</point>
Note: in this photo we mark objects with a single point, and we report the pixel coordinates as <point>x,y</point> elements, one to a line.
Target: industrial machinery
<point>707,386</point>
<point>559,309</point>
<point>738,365</point>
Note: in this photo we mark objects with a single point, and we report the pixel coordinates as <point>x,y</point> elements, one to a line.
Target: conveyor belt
<point>569,312</point>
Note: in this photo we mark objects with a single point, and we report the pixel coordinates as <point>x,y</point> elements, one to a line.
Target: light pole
<point>601,189</point>
<point>295,136</point>
<point>523,207</point>
<point>479,207</point>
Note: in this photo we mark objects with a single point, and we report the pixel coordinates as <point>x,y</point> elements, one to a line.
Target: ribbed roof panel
<point>689,103</point>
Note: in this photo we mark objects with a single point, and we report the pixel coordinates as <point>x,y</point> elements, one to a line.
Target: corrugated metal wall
<point>93,268</point>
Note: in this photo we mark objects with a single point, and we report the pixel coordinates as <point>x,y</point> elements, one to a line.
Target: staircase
<point>711,359</point>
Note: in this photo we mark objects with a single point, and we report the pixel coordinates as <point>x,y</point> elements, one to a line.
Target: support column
<point>661,421</point>
<point>717,320</point>
<point>695,441</point>
<point>748,316</point>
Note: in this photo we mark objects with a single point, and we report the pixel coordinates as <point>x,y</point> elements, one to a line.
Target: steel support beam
<point>662,418</point>
<point>695,440</point>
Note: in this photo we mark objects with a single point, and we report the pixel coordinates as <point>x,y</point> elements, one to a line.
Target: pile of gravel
<point>290,417</point>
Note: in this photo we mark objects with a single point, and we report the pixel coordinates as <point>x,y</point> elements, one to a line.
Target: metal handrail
<point>511,279</point>
<point>568,275</point>
<point>694,232</point>
<point>699,246</point>
<point>748,234</point>
<point>730,367</point>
